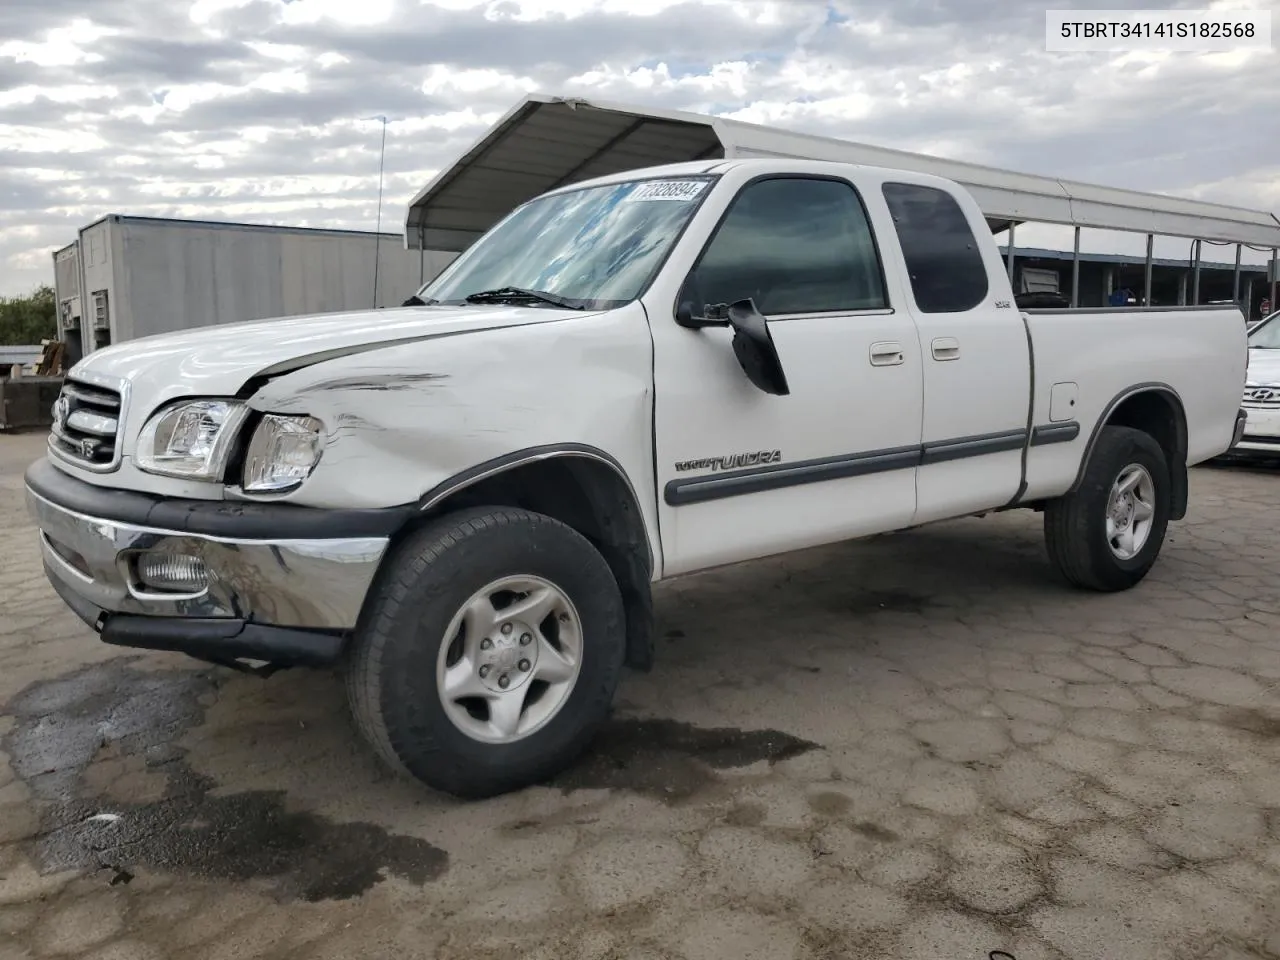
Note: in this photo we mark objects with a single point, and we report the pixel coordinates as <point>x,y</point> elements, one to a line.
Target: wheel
<point>490,653</point>
<point>1107,534</point>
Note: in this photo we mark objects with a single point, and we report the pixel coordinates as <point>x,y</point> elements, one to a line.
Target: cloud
<point>259,110</point>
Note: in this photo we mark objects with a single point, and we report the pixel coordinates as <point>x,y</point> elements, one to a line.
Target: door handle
<point>946,348</point>
<point>886,354</point>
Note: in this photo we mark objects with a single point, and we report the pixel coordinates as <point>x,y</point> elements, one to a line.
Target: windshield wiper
<point>522,293</point>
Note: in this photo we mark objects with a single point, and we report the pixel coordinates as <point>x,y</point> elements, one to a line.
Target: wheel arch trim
<point>1178,473</point>
<point>511,461</point>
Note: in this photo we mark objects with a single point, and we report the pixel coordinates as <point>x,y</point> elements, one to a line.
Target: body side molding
<point>779,476</point>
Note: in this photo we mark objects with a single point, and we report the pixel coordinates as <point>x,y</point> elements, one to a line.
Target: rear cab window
<point>944,262</point>
<point>795,245</point>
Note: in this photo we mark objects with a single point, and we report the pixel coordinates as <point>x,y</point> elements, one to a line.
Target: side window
<point>794,245</point>
<point>947,272</point>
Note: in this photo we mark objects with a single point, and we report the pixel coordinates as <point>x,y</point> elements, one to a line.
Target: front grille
<point>1262,398</point>
<point>86,424</point>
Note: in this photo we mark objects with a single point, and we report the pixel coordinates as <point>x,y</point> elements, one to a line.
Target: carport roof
<point>547,141</point>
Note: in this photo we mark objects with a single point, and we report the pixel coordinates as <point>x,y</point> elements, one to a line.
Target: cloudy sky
<point>256,110</point>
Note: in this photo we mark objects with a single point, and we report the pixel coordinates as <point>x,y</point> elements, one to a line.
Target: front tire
<point>1106,536</point>
<point>491,653</point>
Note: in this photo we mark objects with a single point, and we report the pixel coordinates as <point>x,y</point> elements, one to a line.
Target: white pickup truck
<point>464,502</point>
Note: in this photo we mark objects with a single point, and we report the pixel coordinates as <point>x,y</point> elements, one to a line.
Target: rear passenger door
<point>977,369</point>
<point>742,473</point>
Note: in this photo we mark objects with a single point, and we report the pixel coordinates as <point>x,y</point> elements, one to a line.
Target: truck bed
<point>1106,352</point>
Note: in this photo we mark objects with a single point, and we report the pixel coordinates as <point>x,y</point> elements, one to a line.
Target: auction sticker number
<point>683,190</point>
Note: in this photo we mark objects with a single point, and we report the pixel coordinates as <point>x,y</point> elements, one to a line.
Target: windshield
<point>1266,335</point>
<point>597,247</point>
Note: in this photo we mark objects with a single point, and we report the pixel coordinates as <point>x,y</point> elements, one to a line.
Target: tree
<point>25,321</point>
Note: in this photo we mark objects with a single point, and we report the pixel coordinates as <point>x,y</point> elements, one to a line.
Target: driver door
<point>742,473</point>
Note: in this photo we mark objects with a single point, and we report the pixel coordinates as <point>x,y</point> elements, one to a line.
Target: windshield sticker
<point>682,190</point>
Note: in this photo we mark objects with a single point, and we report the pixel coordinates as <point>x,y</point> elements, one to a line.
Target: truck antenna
<point>377,238</point>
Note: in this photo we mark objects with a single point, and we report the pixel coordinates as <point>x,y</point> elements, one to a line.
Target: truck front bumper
<point>220,580</point>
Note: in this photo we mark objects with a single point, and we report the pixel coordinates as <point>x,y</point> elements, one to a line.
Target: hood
<point>219,360</point>
<point>1264,367</point>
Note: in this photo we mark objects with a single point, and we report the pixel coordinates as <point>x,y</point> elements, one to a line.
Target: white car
<point>464,502</point>
<point>1261,437</point>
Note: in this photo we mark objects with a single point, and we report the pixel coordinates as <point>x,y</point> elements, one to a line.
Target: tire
<point>1075,525</point>
<point>395,673</point>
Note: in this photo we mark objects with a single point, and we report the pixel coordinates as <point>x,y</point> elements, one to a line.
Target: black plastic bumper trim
<point>230,519</point>
<point>224,640</point>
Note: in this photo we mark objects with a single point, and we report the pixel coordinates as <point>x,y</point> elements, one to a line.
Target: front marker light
<point>282,453</point>
<point>190,439</point>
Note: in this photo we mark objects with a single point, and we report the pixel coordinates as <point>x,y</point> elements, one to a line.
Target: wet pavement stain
<point>1252,721</point>
<point>873,831</point>
<point>830,804</point>
<point>745,815</point>
<point>670,760</point>
<point>112,708</point>
<point>897,601</point>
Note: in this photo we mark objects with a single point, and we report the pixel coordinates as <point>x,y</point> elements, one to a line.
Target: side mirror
<point>753,346</point>
<point>687,318</point>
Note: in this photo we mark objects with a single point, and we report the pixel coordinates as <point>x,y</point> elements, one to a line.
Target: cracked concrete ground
<point>916,747</point>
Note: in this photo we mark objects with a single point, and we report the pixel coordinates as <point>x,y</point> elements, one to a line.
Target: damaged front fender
<point>403,420</point>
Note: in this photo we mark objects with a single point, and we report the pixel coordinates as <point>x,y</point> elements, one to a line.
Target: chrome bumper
<point>1242,418</point>
<point>310,584</point>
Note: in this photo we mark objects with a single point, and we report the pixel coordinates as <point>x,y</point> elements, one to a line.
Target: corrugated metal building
<point>126,277</point>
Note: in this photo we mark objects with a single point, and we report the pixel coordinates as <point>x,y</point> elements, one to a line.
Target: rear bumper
<point>279,583</point>
<point>1258,435</point>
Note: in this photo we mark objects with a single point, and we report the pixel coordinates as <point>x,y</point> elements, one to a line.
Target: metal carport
<point>548,141</point>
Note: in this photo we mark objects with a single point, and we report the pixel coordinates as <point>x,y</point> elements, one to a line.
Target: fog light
<point>171,573</point>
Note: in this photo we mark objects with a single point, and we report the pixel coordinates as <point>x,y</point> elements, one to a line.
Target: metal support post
<point>1275,275</point>
<point>1009,255</point>
<point>1075,272</point>
<point>1235,278</point>
<point>1195,276</point>
<point>1146,281</point>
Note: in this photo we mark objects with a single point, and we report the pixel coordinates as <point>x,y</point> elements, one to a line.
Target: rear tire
<point>1107,534</point>
<point>490,654</point>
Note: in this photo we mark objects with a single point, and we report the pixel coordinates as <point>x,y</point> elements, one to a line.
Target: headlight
<point>190,439</point>
<point>282,453</point>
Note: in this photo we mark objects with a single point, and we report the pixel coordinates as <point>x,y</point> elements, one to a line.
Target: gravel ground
<point>920,746</point>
